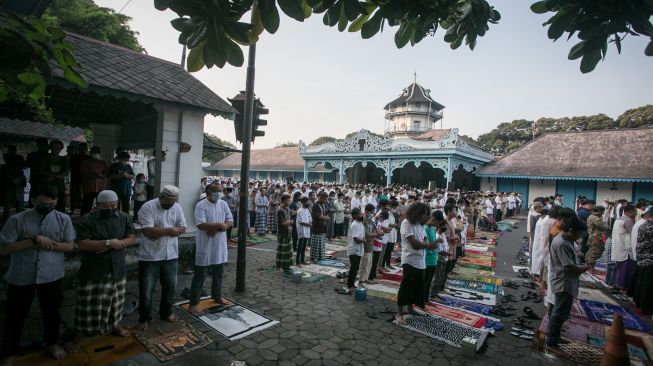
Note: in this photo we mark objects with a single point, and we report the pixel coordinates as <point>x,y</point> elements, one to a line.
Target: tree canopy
<point>508,136</point>
<point>322,140</point>
<point>86,18</point>
<point>288,144</point>
<point>212,151</point>
<point>214,30</point>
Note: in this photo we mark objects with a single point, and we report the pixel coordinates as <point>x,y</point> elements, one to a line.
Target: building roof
<point>432,135</point>
<point>608,155</point>
<point>279,158</point>
<point>132,73</point>
<point>414,93</point>
<point>29,129</point>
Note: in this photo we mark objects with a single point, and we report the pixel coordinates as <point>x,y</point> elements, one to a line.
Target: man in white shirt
<point>498,208</point>
<point>356,201</point>
<point>213,218</point>
<point>512,204</point>
<point>489,207</point>
<point>162,220</point>
<point>151,175</point>
<point>621,250</point>
<point>355,243</point>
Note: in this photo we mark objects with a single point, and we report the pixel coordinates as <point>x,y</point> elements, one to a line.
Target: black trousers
<point>387,255</point>
<point>124,201</point>
<point>428,280</point>
<point>137,207</point>
<point>375,262</point>
<point>19,299</point>
<point>295,238</point>
<point>354,265</point>
<point>339,229</point>
<point>149,191</point>
<point>301,250</point>
<point>87,201</point>
<point>411,289</point>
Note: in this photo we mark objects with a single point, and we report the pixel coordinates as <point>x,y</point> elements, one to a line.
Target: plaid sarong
<point>261,223</point>
<point>99,305</point>
<point>284,252</point>
<point>272,219</point>
<point>318,242</point>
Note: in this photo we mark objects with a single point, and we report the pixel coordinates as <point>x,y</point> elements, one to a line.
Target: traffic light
<point>259,109</point>
<point>238,102</point>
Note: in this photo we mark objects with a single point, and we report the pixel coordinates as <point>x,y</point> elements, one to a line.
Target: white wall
<point>488,184</point>
<point>603,191</point>
<point>541,188</point>
<point>183,170</point>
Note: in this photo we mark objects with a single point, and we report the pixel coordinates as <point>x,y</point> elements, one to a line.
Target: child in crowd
<point>304,222</point>
<point>140,194</point>
<point>430,256</point>
<point>382,224</point>
<point>355,245</point>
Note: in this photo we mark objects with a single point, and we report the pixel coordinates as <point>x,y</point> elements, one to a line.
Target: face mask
<point>166,206</point>
<point>216,196</point>
<point>107,212</point>
<point>44,210</point>
<point>96,156</point>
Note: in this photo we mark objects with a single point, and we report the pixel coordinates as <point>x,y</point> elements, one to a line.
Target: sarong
<point>284,252</point>
<point>99,305</point>
<point>318,241</point>
<point>261,223</point>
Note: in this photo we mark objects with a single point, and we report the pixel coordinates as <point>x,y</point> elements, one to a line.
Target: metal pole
<point>243,212</point>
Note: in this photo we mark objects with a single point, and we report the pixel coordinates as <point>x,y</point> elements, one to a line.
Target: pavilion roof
<point>414,93</point>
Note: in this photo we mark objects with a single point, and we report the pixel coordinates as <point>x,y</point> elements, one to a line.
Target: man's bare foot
<point>222,301</point>
<point>555,350</point>
<point>171,318</point>
<point>120,331</point>
<point>399,319</point>
<point>194,310</point>
<point>56,352</point>
<point>371,282</point>
<point>141,327</point>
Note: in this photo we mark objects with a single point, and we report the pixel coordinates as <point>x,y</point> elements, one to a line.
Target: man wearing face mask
<point>213,218</point>
<point>102,237</point>
<point>162,220</point>
<point>36,240</point>
<point>94,178</point>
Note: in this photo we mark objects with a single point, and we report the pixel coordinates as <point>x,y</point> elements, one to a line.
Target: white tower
<point>412,113</point>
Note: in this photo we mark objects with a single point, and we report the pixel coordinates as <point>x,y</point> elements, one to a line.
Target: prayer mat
<point>487,235</point>
<point>583,353</point>
<point>233,243</point>
<point>478,241</point>
<point>473,271</point>
<point>382,295</point>
<point>459,315</point>
<point>382,288</point>
<point>473,296</point>
<point>335,248</point>
<point>97,351</point>
<point>233,321</point>
<point>592,294</point>
<point>338,242</point>
<point>389,283</point>
<point>486,262</point>
<point>321,270</point>
<point>332,263</point>
<point>478,254</point>
<point>475,266</point>
<point>167,341</point>
<point>476,248</point>
<point>603,313</point>
<point>444,330</point>
<point>575,329</point>
<point>475,286</point>
<point>307,277</point>
<point>466,305</point>
<point>471,277</point>
<point>393,276</point>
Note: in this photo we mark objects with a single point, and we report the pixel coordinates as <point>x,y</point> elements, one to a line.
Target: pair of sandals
<point>342,274</point>
<point>531,295</point>
<point>503,310</point>
<point>343,290</point>
<point>523,322</point>
<point>510,284</point>
<point>530,314</point>
<point>524,273</point>
<point>522,333</point>
<point>508,298</point>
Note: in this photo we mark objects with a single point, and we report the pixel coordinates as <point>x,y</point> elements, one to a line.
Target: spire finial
<point>415,77</point>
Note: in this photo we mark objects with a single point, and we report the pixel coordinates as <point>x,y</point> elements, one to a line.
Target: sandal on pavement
<point>343,290</point>
<point>530,314</point>
<point>523,330</point>
<point>522,336</point>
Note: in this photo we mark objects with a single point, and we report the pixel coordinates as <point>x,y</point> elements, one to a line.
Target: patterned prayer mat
<point>444,330</point>
<point>488,234</point>
<point>459,315</point>
<point>338,242</point>
<point>473,271</point>
<point>489,242</point>
<point>487,256</point>
<point>637,339</point>
<point>332,263</point>
<point>100,350</point>
<point>576,329</point>
<point>583,353</point>
<point>592,294</point>
<point>477,278</point>
<point>475,286</point>
<point>307,277</point>
<point>466,305</point>
<point>486,261</point>
<point>233,321</point>
<point>474,247</point>
<point>389,283</point>
<point>601,312</point>
<point>473,296</point>
<point>321,270</point>
<point>167,341</point>
<point>476,267</point>
<point>381,294</point>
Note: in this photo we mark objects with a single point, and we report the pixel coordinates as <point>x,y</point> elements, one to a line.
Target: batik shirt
<point>645,244</point>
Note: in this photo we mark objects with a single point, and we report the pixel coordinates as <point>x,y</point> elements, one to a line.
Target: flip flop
<point>522,336</point>
<point>530,314</point>
<point>529,284</point>
<point>523,330</point>
<point>343,290</point>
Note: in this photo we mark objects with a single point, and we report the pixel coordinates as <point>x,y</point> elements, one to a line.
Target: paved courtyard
<point>320,327</point>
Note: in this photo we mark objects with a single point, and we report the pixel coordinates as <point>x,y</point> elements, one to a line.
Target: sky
<point>317,81</point>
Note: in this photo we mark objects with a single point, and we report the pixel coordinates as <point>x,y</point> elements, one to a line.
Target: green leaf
<point>292,8</point>
<point>332,16</point>
<point>352,9</point>
<point>74,77</point>
<point>539,7</point>
<point>30,77</point>
<point>576,51</point>
<point>38,91</point>
<point>342,23</point>
<point>357,24</point>
<point>648,51</point>
<point>269,15</point>
<point>373,26</point>
<point>180,24</point>
<point>308,11</point>
<point>590,60</point>
<point>404,34</point>
<point>234,53</point>
<point>559,23</point>
<point>195,60</point>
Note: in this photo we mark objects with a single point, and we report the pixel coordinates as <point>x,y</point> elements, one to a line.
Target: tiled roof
<point>30,129</point>
<point>280,158</point>
<point>432,135</point>
<point>109,66</point>
<point>607,155</point>
<point>414,93</point>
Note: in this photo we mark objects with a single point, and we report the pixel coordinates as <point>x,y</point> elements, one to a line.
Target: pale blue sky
<point>317,81</point>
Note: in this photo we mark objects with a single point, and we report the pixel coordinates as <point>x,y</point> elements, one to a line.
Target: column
<point>449,172</point>
<point>305,172</point>
<point>341,172</point>
<point>388,173</point>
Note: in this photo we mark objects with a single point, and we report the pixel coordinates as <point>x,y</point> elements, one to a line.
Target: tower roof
<point>414,93</point>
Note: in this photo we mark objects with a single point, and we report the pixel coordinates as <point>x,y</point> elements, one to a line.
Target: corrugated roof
<point>618,154</point>
<point>414,93</point>
<point>109,66</point>
<point>31,129</point>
